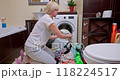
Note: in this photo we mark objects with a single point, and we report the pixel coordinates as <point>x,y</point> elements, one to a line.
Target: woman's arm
<point>53,37</point>
<point>57,32</point>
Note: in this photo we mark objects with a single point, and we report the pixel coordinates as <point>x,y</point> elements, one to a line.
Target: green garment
<point>78,59</point>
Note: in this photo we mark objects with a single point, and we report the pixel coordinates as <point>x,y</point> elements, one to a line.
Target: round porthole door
<point>66,25</point>
<point>59,43</point>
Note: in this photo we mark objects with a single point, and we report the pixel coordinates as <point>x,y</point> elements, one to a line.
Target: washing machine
<point>68,22</point>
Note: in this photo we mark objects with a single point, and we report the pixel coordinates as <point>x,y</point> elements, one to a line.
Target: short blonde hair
<point>51,7</point>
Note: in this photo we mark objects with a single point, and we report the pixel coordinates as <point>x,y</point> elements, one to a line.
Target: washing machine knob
<point>64,17</point>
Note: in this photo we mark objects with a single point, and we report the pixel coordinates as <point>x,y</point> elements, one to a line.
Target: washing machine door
<point>63,25</point>
<point>66,25</point>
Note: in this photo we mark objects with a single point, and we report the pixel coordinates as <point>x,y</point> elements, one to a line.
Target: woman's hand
<point>69,35</point>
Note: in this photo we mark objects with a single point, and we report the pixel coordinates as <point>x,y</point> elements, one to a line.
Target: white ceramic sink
<point>38,15</point>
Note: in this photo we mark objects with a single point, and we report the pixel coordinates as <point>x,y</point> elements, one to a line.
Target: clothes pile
<point>70,54</point>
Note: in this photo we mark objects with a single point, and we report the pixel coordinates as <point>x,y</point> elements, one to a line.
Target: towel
<point>117,38</point>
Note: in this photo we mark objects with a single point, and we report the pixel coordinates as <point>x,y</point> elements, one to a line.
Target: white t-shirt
<point>40,33</point>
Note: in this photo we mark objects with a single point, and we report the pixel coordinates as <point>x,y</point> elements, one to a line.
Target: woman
<point>35,45</point>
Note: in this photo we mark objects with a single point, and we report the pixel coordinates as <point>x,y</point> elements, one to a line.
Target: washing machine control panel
<point>70,17</point>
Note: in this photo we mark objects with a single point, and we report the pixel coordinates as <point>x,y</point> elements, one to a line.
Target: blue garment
<point>73,51</point>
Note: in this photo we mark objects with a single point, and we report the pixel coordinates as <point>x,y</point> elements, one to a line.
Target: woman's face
<point>55,13</point>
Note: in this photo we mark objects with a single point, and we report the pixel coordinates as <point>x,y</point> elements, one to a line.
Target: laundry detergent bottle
<point>114,32</point>
<point>3,22</point>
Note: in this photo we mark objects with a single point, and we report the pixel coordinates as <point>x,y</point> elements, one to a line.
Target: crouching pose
<point>35,45</point>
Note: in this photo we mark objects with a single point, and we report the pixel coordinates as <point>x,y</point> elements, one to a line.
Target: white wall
<point>4,11</point>
<point>17,11</point>
<point>79,9</point>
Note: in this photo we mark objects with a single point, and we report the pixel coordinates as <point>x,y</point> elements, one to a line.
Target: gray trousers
<point>42,56</point>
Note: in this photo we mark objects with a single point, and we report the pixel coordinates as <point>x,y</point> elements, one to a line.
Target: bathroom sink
<point>38,15</point>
